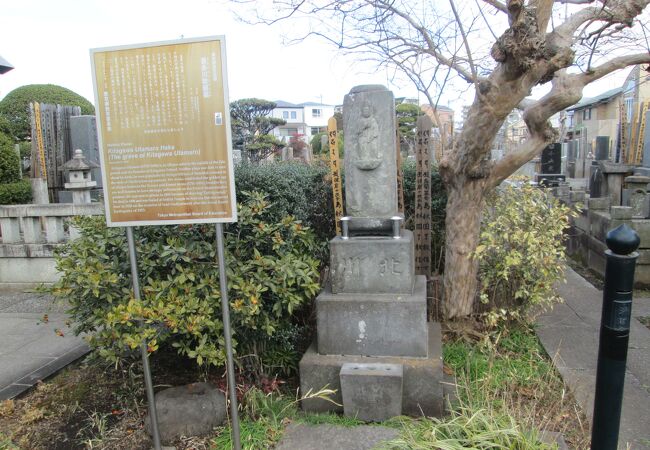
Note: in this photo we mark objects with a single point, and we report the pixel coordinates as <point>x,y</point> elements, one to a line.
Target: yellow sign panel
<point>164,132</point>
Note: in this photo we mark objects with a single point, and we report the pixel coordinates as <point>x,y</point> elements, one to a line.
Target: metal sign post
<point>151,400</point>
<point>225,311</point>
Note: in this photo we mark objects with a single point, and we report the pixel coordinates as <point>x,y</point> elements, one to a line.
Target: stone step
<point>371,392</point>
<point>421,382</point>
<point>373,324</point>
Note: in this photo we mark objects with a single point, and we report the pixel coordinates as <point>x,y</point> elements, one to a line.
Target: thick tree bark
<point>464,207</point>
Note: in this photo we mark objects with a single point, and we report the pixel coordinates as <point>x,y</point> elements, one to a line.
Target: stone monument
<point>374,345</point>
<point>551,166</point>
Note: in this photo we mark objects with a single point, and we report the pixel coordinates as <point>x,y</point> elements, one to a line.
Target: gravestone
<point>602,148</point>
<point>552,159</point>
<point>571,158</point>
<point>373,340</point>
<point>370,176</point>
<point>635,194</point>
<point>596,182</point>
<point>551,166</point>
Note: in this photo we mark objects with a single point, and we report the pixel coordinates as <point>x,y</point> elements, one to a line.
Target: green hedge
<point>306,192</point>
<point>294,188</point>
<point>17,193</point>
<point>9,160</point>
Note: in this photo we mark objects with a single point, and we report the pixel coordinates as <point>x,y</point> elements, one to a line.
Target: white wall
<point>312,120</point>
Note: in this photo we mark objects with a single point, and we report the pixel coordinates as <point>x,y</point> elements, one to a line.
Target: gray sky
<point>48,41</point>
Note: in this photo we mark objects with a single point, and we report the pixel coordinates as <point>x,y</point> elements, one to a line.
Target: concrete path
<point>570,335</point>
<point>30,348</point>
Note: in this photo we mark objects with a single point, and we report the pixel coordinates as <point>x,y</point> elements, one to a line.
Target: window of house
<point>315,112</point>
<point>285,114</point>
<point>288,131</point>
<point>629,104</point>
<point>586,114</point>
<point>293,114</point>
<point>316,130</point>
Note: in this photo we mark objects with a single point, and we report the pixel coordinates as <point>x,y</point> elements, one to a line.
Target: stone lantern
<point>79,179</point>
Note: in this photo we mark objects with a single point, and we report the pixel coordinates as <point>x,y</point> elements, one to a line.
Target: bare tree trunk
<point>464,207</point>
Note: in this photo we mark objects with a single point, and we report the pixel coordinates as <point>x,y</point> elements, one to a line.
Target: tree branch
<point>566,91</point>
<point>497,4</point>
<point>613,65</point>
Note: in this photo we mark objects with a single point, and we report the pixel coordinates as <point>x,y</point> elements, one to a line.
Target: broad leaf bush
<point>521,252</point>
<point>271,276</point>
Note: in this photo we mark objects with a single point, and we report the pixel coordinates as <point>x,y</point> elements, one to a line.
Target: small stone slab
<point>599,203</point>
<point>372,392</point>
<point>552,437</point>
<point>299,436</point>
<point>621,212</point>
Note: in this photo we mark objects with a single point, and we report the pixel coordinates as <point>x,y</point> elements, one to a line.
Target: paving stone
<point>299,436</point>
<point>30,350</point>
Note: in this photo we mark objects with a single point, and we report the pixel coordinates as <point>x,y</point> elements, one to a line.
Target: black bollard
<point>614,336</point>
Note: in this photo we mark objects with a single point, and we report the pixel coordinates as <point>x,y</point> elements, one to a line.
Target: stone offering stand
<point>374,345</point>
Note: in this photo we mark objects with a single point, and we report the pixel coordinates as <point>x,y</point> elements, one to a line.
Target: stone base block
<point>367,264</point>
<point>421,382</point>
<point>373,325</point>
<point>371,392</point>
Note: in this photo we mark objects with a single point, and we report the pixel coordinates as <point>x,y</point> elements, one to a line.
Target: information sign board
<point>164,132</point>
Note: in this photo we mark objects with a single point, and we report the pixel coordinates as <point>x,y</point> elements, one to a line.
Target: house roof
<point>605,97</point>
<point>283,104</point>
<point>437,108</point>
<point>313,104</point>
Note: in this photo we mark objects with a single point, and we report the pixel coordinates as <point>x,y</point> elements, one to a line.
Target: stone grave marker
<point>373,343</point>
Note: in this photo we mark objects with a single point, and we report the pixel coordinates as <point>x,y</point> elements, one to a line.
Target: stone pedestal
<point>373,325</point>
<point>373,264</point>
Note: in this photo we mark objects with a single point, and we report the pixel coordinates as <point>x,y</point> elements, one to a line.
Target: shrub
<point>318,149</point>
<point>15,106</point>
<point>271,275</point>
<point>18,193</point>
<point>521,252</point>
<point>293,188</point>
<point>9,160</point>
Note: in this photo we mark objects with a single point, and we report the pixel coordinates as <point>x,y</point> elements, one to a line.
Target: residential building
<point>306,119</point>
<point>294,115</point>
<point>445,114</point>
<point>595,116</point>
<point>316,117</point>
